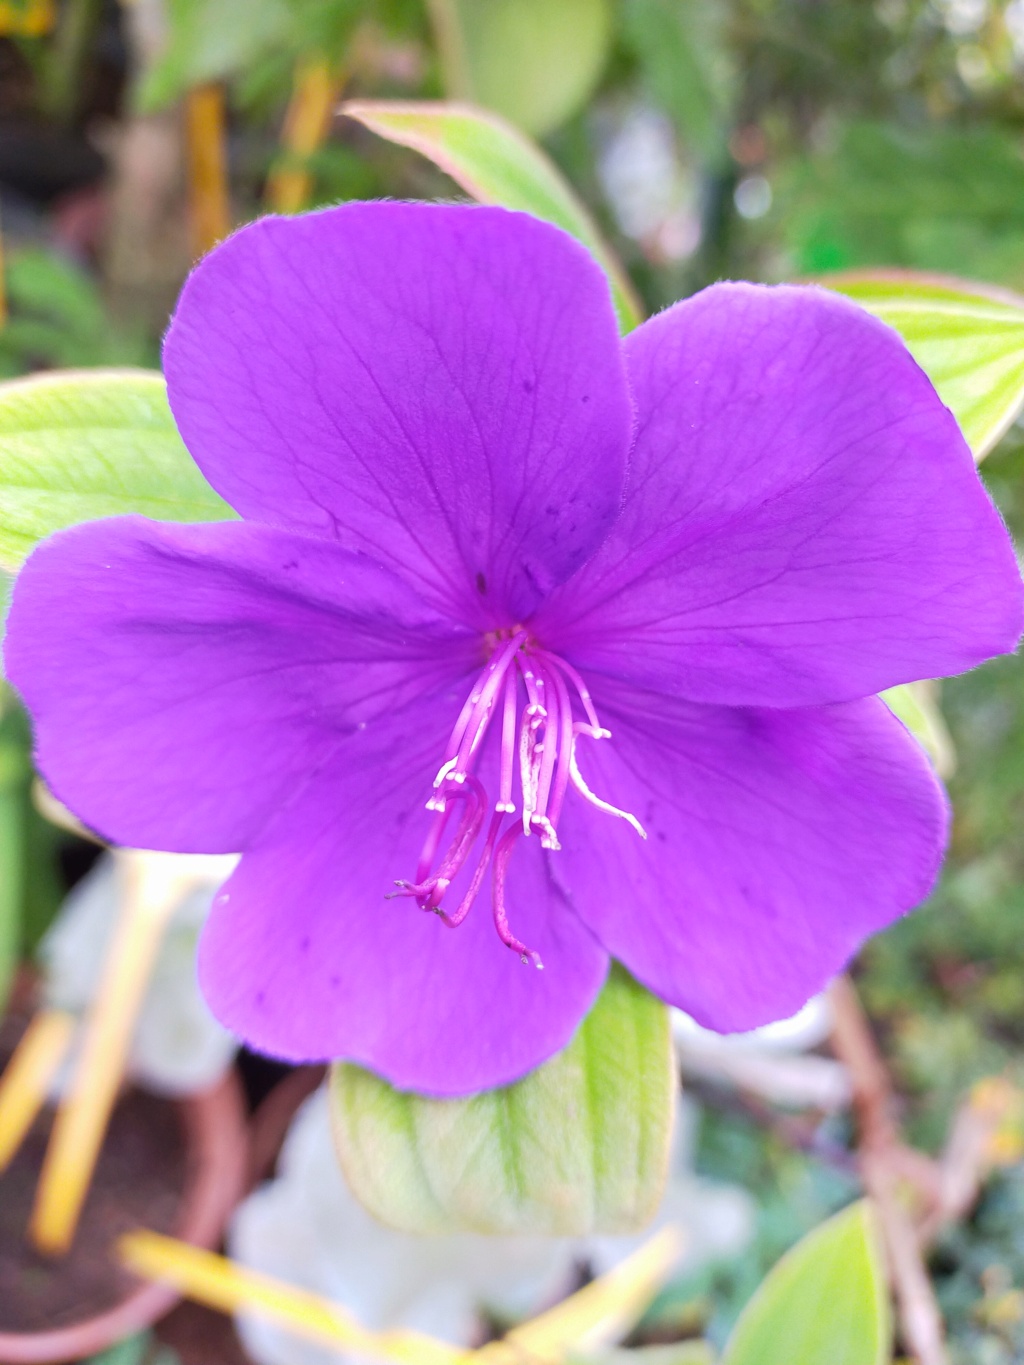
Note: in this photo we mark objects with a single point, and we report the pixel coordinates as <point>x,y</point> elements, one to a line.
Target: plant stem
<point>883,1163</point>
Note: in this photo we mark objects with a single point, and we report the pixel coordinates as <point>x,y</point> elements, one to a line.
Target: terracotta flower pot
<point>216,1161</point>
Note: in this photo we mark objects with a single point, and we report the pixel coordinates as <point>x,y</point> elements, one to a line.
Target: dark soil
<point>138,1183</point>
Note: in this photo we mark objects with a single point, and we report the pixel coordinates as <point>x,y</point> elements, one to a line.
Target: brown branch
<point>886,1163</point>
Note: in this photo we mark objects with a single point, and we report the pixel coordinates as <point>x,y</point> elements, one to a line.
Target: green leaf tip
<point>496,164</point>
<point>825,1303</point>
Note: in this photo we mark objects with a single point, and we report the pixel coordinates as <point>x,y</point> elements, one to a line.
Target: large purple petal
<point>803,521</point>
<point>305,959</point>
<point>442,387</point>
<point>778,840</point>
<point>184,680</point>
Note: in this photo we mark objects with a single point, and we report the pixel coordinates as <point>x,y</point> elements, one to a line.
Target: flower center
<point>543,708</point>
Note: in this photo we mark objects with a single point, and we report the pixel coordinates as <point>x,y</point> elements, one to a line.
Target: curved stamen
<point>501,856</point>
<point>582,690</point>
<point>565,744</point>
<point>442,815</point>
<point>429,891</point>
<point>438,802</point>
<point>530,743</point>
<point>466,904</point>
<point>576,778</point>
<point>548,752</point>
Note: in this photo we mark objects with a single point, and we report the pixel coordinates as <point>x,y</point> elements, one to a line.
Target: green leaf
<point>496,164</point>
<point>824,1303</point>
<point>206,41</point>
<point>78,444</point>
<point>578,1146</point>
<point>967,338</point>
<point>533,61</point>
<point>686,65</point>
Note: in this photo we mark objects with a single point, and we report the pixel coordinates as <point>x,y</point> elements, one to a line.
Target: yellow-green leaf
<point>968,339</point>
<point>494,163</point>
<point>824,1303</point>
<point>578,1146</point>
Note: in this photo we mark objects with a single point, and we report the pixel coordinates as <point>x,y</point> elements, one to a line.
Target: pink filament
<point>453,921</point>
<point>480,716</point>
<point>501,856</point>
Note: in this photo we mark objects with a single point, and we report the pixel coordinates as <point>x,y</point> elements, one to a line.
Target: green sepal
<point>580,1145</point>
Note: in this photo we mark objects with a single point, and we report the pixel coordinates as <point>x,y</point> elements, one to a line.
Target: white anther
<point>444,771</point>
<point>576,778</point>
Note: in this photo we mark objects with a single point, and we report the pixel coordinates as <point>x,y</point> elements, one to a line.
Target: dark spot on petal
<point>528,386</point>
<point>261,997</point>
<point>335,980</point>
<point>481,585</point>
<point>292,564</point>
<point>304,944</point>
<point>585,398</point>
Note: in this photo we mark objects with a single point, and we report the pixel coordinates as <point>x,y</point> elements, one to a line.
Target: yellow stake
<point>601,1312</point>
<point>155,884</point>
<point>314,95</point>
<point>219,1283</point>
<point>25,1083</point>
<point>207,166</point>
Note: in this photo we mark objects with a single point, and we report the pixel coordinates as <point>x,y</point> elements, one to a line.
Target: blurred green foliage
<point>931,198</point>
<point>30,888</point>
<point>142,1349</point>
<point>978,1269</point>
<point>58,319</point>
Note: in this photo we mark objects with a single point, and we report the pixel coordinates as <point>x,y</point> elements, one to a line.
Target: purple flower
<point>570,641</point>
